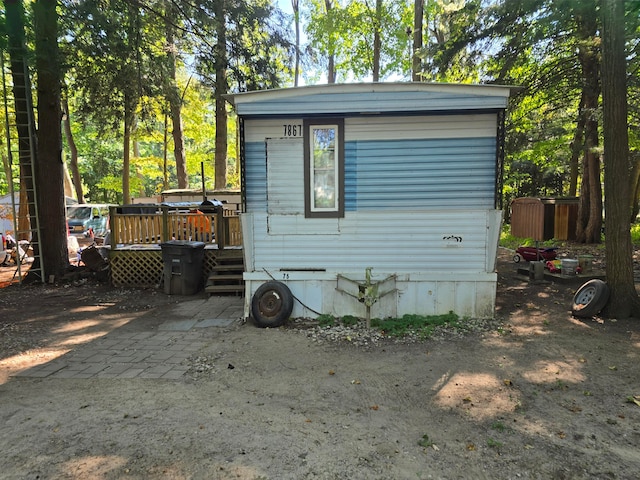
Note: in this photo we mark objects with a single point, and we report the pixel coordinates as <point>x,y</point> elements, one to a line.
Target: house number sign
<point>292,130</point>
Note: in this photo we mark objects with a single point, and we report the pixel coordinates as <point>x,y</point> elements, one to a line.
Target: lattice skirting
<point>145,268</point>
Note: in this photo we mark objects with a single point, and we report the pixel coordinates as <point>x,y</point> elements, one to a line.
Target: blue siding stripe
<point>420,174</point>
<point>413,175</point>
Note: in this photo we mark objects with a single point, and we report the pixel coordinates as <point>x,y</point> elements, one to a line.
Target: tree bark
<point>50,171</point>
<point>175,102</point>
<point>73,150</point>
<point>331,70</point>
<point>589,225</point>
<point>623,299</point>
<point>296,17</point>
<point>221,106</point>
<point>577,146</point>
<point>418,14</point>
<point>126,152</point>
<point>377,41</point>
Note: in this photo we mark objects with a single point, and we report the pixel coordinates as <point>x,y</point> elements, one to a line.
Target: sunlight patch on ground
<point>79,332</point>
<point>11,365</point>
<point>84,338</point>
<point>478,395</point>
<point>523,325</point>
<point>75,326</point>
<point>578,322</point>
<point>93,467</point>
<point>549,371</point>
<point>88,309</point>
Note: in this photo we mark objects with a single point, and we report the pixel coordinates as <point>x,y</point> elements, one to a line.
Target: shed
<point>375,199</point>
<point>544,218</point>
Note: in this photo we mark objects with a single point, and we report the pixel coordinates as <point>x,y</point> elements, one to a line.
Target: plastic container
<point>182,266</point>
<point>569,267</point>
<point>586,263</point>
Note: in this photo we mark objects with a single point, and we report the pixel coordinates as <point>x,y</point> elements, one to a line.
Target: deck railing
<point>221,228</point>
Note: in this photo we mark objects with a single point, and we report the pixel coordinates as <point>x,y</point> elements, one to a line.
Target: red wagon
<point>531,254</point>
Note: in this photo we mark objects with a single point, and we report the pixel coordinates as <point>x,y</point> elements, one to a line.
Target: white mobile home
<point>371,199</point>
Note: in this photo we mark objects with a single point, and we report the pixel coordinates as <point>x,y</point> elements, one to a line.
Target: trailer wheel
<point>590,299</point>
<point>272,304</point>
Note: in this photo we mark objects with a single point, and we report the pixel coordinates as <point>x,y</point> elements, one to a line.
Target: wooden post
<point>165,224</point>
<point>221,233</point>
<point>114,228</point>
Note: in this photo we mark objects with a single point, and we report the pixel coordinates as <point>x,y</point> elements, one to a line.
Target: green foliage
<point>350,320</point>
<point>635,233</point>
<point>415,324</point>
<point>498,426</point>
<point>347,30</point>
<point>325,320</point>
<point>425,441</point>
<point>512,242</point>
<point>491,443</point>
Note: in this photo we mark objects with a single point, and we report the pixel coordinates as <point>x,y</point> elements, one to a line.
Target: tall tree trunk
<point>126,152</point>
<point>589,225</point>
<point>331,69</point>
<point>175,101</point>
<point>377,40</point>
<point>73,150</point>
<point>165,142</point>
<point>623,300</point>
<point>51,201</point>
<point>418,14</point>
<point>14,14</point>
<point>577,147</point>
<point>221,106</point>
<point>296,18</point>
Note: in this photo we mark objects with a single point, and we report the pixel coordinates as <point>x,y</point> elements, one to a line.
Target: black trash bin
<point>182,266</point>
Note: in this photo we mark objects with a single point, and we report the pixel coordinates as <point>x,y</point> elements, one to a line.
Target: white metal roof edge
<point>489,90</point>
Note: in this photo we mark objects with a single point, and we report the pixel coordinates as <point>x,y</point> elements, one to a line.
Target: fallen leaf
<point>561,434</point>
<point>471,447</point>
<point>355,382</point>
<point>331,372</point>
<point>634,399</point>
<point>467,400</point>
<point>613,367</point>
<point>508,383</point>
<point>435,447</point>
<point>374,407</point>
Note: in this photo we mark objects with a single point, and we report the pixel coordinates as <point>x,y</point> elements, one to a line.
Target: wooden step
<point>226,276</point>
<point>219,277</point>
<point>228,268</point>
<point>213,289</point>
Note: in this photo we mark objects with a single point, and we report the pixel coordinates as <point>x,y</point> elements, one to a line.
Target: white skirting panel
<point>472,295</point>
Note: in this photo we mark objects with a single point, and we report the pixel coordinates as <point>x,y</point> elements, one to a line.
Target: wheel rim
<point>586,296</point>
<point>270,304</point>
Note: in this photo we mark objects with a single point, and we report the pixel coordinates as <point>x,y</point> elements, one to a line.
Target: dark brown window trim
<point>307,123</point>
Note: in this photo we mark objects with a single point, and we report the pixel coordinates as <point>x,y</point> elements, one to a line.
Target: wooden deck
<point>135,248</point>
<point>221,228</point>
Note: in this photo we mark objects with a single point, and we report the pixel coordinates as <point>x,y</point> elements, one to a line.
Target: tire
<point>590,299</point>
<point>516,258</point>
<point>272,304</point>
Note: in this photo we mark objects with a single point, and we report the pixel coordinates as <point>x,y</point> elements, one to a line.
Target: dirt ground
<point>541,396</point>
